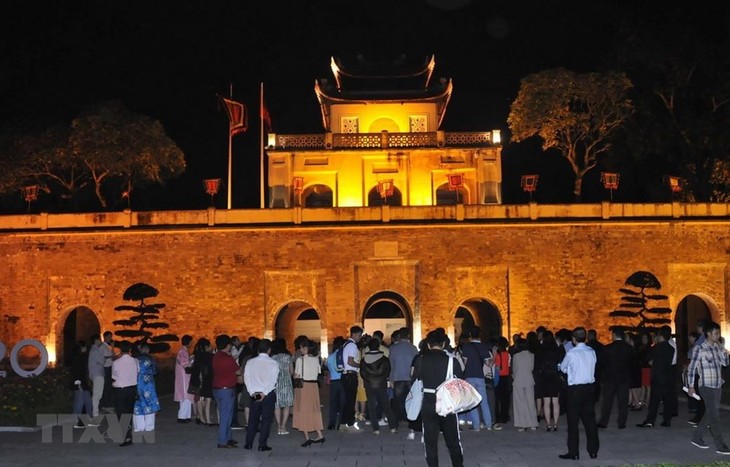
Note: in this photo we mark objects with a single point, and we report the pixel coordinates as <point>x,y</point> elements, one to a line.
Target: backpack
<point>339,358</point>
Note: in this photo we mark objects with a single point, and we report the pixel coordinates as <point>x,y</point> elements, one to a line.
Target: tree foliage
<point>683,85</point>
<point>578,114</point>
<point>110,141</point>
<point>144,316</point>
<point>106,147</point>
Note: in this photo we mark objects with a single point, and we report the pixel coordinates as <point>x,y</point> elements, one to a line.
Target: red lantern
<point>456,181</point>
<point>211,187</point>
<point>610,181</point>
<point>386,188</point>
<point>298,183</point>
<point>30,194</point>
<point>675,184</point>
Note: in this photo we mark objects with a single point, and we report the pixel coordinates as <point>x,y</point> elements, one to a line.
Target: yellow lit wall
<point>371,117</point>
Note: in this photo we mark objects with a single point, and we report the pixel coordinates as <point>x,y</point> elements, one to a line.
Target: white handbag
<point>414,400</point>
<point>455,395</point>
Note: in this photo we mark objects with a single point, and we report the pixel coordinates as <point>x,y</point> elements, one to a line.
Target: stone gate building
<point>252,272</point>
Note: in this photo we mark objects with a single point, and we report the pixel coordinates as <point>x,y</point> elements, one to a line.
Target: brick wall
<point>236,280</point>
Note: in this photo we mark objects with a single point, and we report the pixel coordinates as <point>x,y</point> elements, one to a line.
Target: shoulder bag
<point>455,395</point>
<point>414,400</point>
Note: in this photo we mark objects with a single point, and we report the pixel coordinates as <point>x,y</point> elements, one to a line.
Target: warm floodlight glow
<point>271,140</point>
<point>496,137</point>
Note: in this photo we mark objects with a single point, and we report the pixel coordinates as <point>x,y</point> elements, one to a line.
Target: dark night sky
<point>167,60</point>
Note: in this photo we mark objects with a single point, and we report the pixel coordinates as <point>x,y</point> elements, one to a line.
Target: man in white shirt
<point>260,376</point>
<point>124,375</point>
<point>580,365</point>
<point>350,357</point>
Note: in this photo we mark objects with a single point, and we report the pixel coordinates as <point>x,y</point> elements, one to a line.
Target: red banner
<point>237,116</point>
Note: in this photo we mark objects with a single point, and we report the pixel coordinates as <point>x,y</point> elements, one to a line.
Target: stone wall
<point>236,280</point>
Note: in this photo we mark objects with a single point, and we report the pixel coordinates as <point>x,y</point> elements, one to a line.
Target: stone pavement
<point>182,445</point>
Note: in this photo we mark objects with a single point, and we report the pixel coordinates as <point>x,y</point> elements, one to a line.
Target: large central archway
<point>81,323</point>
<point>298,318</point>
<point>480,312</point>
<point>691,309</point>
<point>386,311</point>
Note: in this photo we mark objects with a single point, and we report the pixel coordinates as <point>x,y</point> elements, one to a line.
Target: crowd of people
<point>529,383</point>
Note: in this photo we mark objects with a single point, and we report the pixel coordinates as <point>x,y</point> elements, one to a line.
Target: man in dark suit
<point>593,342</point>
<point>615,362</point>
<point>662,380</point>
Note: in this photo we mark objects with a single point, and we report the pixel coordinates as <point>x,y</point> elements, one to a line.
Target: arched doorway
<point>479,312</point>
<point>318,196</point>
<point>295,319</point>
<point>81,323</point>
<point>690,309</point>
<point>447,197</point>
<point>386,311</point>
<point>374,198</point>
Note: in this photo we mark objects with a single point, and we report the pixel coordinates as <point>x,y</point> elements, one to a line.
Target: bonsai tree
<point>144,319</point>
<point>636,304</point>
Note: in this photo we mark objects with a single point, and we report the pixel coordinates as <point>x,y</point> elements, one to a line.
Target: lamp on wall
<point>610,181</point>
<point>496,136</point>
<point>212,185</point>
<point>30,194</point>
<point>529,183</point>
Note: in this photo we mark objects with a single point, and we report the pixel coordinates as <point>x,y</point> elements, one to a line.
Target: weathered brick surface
<point>236,280</point>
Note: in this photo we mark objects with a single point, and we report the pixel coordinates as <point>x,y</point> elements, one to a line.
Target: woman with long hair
<point>503,391</point>
<point>635,380</point>
<point>307,414</point>
<point>547,363</point>
<point>284,389</point>
<point>202,377</point>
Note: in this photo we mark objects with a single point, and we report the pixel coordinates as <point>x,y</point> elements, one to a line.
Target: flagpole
<point>261,136</point>
<point>230,151</point>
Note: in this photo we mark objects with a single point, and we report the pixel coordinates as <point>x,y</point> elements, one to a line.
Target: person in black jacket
<point>662,380</point>
<point>431,369</point>
<point>616,362</point>
<point>79,379</point>
<point>375,369</point>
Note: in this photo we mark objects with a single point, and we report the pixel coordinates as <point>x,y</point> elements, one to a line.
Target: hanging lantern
<point>456,181</point>
<point>610,181</point>
<point>298,184</point>
<point>675,183</point>
<point>386,188</point>
<point>529,183</point>
<point>29,193</point>
<point>212,185</point>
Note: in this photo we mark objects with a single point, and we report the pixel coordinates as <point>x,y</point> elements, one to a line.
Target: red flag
<point>265,116</point>
<point>237,116</point>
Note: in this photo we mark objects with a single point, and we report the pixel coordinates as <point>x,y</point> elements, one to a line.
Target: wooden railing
<point>382,140</point>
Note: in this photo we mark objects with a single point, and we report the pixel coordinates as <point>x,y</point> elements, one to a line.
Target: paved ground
<point>193,445</point>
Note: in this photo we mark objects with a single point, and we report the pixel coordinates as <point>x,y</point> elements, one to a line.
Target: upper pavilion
<point>383,144</point>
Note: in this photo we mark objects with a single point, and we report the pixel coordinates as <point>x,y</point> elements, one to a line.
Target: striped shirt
<point>707,362</point>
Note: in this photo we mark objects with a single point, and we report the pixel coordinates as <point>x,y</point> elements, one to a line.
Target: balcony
<point>384,140</point>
